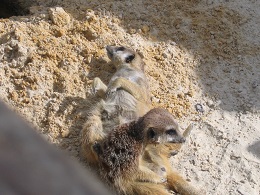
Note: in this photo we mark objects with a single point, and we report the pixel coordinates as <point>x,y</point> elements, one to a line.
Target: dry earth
<point>197,52</point>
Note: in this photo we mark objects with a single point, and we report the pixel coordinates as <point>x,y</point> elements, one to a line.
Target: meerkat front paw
<point>154,174</point>
<point>159,179</point>
<point>98,87</point>
<point>161,172</point>
<point>114,87</point>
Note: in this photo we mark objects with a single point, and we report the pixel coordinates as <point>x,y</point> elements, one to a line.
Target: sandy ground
<point>197,52</point>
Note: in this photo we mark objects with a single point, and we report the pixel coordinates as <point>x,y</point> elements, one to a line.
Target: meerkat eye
<point>129,58</point>
<point>171,132</point>
<point>151,133</point>
<point>120,49</point>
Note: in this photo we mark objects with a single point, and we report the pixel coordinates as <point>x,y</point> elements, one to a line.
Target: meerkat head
<point>159,127</point>
<point>120,55</point>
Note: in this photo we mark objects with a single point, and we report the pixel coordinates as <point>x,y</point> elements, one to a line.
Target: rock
<point>90,34</point>
<point>156,100</point>
<point>210,104</point>
<point>244,190</point>
<point>132,31</point>
<point>59,16</point>
<point>145,29</point>
<point>199,108</point>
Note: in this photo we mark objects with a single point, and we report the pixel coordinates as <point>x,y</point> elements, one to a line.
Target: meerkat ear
<point>129,58</point>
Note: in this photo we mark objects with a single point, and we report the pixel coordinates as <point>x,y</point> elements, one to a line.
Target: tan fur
<point>124,100</point>
<point>120,151</point>
<point>158,156</point>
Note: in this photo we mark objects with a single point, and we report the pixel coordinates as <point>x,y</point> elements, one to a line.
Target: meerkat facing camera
<point>119,153</point>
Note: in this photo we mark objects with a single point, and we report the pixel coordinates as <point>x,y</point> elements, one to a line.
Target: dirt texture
<point>202,62</point>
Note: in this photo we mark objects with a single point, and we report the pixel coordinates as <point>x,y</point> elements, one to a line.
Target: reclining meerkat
<point>125,99</point>
<point>119,153</point>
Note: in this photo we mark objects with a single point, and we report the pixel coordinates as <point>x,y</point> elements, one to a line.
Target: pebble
<point>132,31</point>
<point>210,104</point>
<point>154,99</point>
<point>145,29</point>
<point>254,84</point>
<point>244,190</point>
<point>199,108</point>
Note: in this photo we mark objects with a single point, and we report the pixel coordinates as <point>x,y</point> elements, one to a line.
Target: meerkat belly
<point>120,104</point>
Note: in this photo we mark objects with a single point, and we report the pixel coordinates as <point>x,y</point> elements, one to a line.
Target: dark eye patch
<point>129,58</point>
<point>120,49</point>
<point>151,133</point>
<point>171,132</point>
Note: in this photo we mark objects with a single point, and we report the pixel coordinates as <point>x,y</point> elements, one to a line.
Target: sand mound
<point>197,52</point>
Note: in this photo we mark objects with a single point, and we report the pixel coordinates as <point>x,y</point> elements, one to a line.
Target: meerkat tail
<point>178,184</point>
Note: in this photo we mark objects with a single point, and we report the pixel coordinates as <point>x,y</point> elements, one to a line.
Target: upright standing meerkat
<point>125,99</point>
<point>120,152</point>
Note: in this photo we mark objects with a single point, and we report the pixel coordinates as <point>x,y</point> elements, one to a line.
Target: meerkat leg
<point>128,86</point>
<point>147,175</point>
<point>99,88</point>
<point>174,180</point>
<point>154,162</point>
<point>180,185</point>
<point>155,157</point>
<point>92,132</point>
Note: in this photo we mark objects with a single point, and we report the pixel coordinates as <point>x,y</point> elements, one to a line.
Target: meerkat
<point>119,153</point>
<point>124,99</point>
<point>156,158</point>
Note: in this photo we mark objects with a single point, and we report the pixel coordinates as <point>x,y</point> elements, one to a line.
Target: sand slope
<point>204,52</point>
